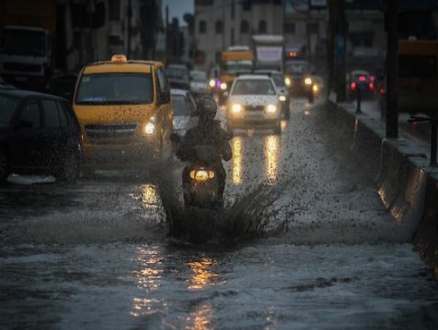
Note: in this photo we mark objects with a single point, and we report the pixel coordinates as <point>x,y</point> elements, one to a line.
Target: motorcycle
<point>201,178</point>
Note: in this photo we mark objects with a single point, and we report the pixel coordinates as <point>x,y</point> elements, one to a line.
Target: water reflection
<point>202,273</point>
<point>236,169</point>
<point>150,196</point>
<point>271,157</point>
<point>148,278</point>
<point>201,319</point>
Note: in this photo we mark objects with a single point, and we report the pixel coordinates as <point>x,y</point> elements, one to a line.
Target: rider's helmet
<point>207,108</point>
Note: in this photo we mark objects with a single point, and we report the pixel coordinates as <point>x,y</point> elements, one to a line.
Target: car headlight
<point>282,98</point>
<point>212,83</point>
<point>287,81</point>
<point>271,108</point>
<point>150,127</point>
<point>308,81</point>
<point>223,86</point>
<point>315,88</point>
<point>236,108</point>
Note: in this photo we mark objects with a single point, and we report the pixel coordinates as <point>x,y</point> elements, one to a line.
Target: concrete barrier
<point>406,183</point>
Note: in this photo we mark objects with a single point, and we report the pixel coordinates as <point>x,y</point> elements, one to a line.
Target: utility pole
<point>391,24</point>
<point>341,43</point>
<point>129,14</point>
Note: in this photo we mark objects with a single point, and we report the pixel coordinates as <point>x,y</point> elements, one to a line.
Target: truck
<point>235,60</point>
<point>27,32</point>
<point>269,51</point>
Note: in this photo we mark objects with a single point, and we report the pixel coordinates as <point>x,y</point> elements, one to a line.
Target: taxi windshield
<point>115,88</point>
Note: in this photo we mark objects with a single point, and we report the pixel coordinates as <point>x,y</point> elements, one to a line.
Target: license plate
<point>253,115</point>
<point>21,78</point>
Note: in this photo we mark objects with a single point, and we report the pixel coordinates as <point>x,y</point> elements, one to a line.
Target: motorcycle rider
<point>208,131</point>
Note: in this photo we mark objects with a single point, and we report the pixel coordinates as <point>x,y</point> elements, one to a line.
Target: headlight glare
<point>271,108</point>
<point>223,86</point>
<point>308,81</point>
<point>282,98</point>
<point>149,129</point>
<point>236,108</point>
<point>287,81</point>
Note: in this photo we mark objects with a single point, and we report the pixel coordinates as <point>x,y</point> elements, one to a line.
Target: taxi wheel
<point>5,164</point>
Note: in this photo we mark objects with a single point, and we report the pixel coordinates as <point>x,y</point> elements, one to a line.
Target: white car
<point>253,102</point>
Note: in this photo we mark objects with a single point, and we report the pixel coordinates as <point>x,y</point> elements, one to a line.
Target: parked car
<point>253,101</point>
<point>184,111</point>
<point>178,75</point>
<point>283,92</point>
<point>39,134</point>
<point>199,83</point>
<point>359,81</point>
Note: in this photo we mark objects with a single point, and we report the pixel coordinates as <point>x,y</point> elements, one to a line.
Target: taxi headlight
<point>150,127</point>
<point>282,98</point>
<point>271,108</point>
<point>223,86</point>
<point>308,81</point>
<point>212,83</point>
<point>287,81</point>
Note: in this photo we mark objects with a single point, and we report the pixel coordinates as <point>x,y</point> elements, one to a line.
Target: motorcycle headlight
<point>271,108</point>
<point>282,98</point>
<point>202,175</point>
<point>150,127</point>
<point>308,81</point>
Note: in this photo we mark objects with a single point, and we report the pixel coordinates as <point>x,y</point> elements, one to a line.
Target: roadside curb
<point>406,183</point>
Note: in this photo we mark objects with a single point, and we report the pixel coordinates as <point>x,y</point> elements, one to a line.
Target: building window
<point>289,28</point>
<point>262,26</point>
<point>244,27</point>
<point>202,27</point>
<point>219,27</point>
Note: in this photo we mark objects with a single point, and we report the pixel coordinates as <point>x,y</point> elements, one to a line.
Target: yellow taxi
<point>125,112</point>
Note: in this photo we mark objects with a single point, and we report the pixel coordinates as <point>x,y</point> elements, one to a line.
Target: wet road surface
<point>315,248</point>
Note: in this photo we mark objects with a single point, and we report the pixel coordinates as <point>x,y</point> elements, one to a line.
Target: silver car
<point>253,102</point>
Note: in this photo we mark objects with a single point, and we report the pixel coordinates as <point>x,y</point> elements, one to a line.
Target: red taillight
<point>382,90</point>
<point>362,78</point>
<point>371,86</point>
<point>353,86</point>
<point>372,78</point>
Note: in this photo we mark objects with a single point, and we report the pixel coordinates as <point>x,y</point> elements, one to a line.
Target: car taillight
<point>353,86</point>
<point>371,86</point>
<point>362,78</point>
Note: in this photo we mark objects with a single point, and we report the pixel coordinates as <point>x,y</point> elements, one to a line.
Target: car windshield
<point>278,80</point>
<point>297,68</point>
<point>361,76</point>
<point>237,66</point>
<point>198,77</point>
<point>115,88</point>
<point>180,106</point>
<point>8,104</point>
<point>253,87</point>
<point>176,73</point>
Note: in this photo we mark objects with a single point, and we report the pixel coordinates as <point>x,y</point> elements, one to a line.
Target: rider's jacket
<point>205,133</point>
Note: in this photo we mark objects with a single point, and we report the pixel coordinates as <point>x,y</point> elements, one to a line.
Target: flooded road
<point>313,246</point>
